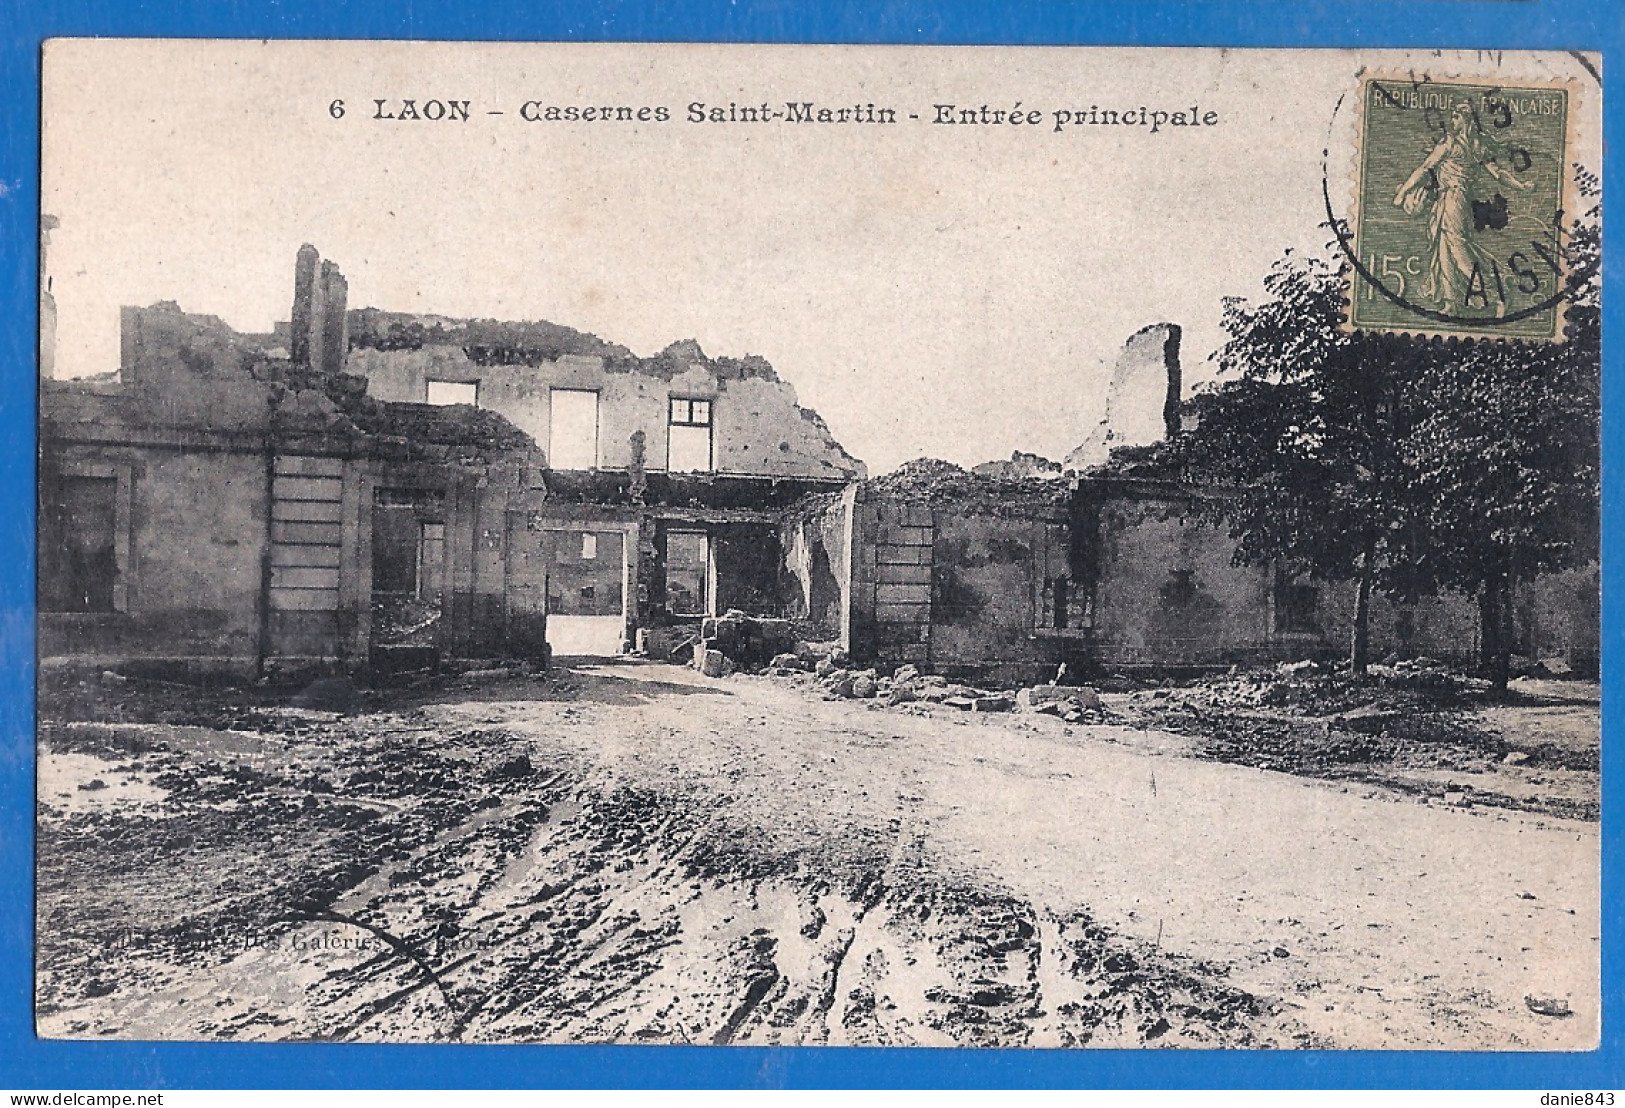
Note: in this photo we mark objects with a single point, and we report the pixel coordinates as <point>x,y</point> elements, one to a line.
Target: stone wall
<point>952,588</point>
<point>190,534</point>
<point>1166,592</point>
<point>815,583</point>
<point>758,427</point>
<point>990,578</point>
<point>1560,616</point>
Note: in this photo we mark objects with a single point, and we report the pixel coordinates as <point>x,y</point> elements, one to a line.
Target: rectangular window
<point>688,573</point>
<point>452,392</point>
<point>688,436</point>
<point>584,572</point>
<point>408,543</point>
<point>1295,607</point>
<point>79,561</point>
<point>572,437</point>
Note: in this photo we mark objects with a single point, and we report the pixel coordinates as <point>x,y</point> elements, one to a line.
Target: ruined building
<point>362,488</point>
<point>1142,400</point>
<point>367,489</point>
<point>1010,571</point>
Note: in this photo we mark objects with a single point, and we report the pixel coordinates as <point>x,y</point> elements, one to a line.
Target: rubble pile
<point>738,641</point>
<point>1413,725</point>
<point>942,484</point>
<point>1324,689</point>
<point>484,340</point>
<point>833,675</point>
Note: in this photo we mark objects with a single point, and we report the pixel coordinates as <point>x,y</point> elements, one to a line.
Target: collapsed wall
<point>936,566</point>
<point>214,502</point>
<point>756,423</point>
<point>1142,400</point>
<point>815,580</point>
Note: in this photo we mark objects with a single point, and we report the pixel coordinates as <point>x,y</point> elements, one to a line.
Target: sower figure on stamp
<point>1460,267</point>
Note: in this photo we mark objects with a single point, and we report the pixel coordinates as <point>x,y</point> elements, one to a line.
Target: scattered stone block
<point>1367,719</point>
<point>1036,699</point>
<point>515,767</point>
<point>1086,698</point>
<point>747,640</point>
<point>713,663</point>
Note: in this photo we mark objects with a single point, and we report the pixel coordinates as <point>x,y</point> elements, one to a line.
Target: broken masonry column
<point>333,329</point>
<point>650,570</point>
<point>636,468</point>
<point>1171,403</point>
<point>1142,399</point>
<point>306,268</point>
<point>318,328</point>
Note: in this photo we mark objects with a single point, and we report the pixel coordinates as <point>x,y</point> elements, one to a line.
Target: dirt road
<point>634,852</point>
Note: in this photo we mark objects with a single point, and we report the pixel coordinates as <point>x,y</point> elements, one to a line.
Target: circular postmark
<point>1462,197</point>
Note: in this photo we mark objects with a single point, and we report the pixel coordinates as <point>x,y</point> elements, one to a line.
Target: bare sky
<point>958,291</point>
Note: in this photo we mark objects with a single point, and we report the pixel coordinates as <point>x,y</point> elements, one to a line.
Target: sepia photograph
<point>1008,547</point>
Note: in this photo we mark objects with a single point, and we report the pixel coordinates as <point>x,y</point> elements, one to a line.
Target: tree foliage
<point>1505,460</point>
<point>1304,431</point>
<point>1407,464</point>
<point>1505,457</point>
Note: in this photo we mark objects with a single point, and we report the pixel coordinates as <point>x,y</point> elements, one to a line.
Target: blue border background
<point>26,1062</point>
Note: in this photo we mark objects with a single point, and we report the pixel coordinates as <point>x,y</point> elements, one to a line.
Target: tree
<point>1407,465</point>
<point>1505,457</point>
<point>1305,436</point>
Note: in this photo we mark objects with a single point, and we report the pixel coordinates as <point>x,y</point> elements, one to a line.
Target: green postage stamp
<point>1461,212</point>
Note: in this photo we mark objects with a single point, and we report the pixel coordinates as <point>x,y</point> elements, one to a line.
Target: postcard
<point>819,545</point>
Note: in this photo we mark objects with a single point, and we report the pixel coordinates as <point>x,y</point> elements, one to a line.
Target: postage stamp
<point>1460,208</point>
